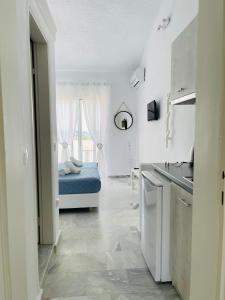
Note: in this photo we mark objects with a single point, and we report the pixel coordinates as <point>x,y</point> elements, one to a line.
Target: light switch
<point>25,156</point>
<point>57,202</point>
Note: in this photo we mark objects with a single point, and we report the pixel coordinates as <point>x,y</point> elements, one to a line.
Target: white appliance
<point>138,77</point>
<point>155,224</point>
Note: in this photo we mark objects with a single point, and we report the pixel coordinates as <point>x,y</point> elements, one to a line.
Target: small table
<point>134,175</point>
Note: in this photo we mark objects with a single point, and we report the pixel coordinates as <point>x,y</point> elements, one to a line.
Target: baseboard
<point>47,265</point>
<point>57,238</point>
<point>39,297</point>
<point>119,176</point>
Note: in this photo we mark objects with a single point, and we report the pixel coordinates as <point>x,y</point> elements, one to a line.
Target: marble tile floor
<point>99,255</point>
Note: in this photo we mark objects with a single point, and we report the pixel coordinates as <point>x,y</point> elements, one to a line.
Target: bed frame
<point>79,200</point>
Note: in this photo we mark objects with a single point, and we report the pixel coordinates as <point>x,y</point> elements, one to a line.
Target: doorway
<point>42,147</point>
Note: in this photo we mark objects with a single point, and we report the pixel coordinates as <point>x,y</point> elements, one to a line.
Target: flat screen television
<point>152,111</point>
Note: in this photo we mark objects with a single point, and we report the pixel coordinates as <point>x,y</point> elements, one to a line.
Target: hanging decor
<point>123,119</point>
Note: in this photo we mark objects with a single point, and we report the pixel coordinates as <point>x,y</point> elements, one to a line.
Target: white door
<point>151,226</point>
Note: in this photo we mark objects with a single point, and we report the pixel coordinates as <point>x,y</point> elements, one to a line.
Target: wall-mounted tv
<point>152,111</point>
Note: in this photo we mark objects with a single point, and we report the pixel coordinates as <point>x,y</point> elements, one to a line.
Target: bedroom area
<point>114,119</point>
<point>92,144</point>
<point>98,205</point>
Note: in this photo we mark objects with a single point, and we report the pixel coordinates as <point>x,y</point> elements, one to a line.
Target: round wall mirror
<point>123,120</point>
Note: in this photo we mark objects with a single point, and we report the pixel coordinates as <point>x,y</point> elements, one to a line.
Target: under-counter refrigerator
<point>156,224</point>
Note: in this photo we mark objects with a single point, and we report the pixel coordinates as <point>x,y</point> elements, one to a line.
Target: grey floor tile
<point>71,233</point>
<point>80,262</point>
<point>99,255</point>
<point>141,281</point>
<point>149,296</point>
<point>107,282</point>
<point>65,285</point>
<point>71,246</point>
<point>125,259</point>
<point>99,297</point>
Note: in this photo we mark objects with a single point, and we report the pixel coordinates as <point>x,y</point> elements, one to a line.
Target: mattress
<point>88,181</point>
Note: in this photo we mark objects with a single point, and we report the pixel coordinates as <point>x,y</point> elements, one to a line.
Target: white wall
<point>121,145</point>
<point>157,60</point>
<point>18,136</point>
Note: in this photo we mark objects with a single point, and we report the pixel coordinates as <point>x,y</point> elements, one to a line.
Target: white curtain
<point>67,114</point>
<point>95,101</point>
<point>94,97</point>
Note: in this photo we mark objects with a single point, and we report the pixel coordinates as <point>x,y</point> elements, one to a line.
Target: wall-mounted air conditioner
<point>138,77</point>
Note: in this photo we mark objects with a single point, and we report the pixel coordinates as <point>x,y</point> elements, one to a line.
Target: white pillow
<point>73,169</point>
<point>76,162</point>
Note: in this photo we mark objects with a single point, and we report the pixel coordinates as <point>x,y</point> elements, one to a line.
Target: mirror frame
<point>124,111</point>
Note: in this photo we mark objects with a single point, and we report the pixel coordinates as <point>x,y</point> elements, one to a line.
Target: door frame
<point>5,280</point>
<point>35,133</point>
<point>18,245</point>
<point>47,205</point>
<point>207,223</point>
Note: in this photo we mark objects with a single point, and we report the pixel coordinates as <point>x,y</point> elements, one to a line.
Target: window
<point>81,124</point>
<point>83,146</point>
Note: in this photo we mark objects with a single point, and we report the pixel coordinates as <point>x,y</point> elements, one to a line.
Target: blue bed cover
<point>88,181</point>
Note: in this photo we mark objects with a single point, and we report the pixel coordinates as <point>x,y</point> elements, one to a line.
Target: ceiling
<point>101,35</point>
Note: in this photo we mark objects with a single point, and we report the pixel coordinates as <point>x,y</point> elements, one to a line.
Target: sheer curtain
<point>95,101</point>
<point>94,98</point>
<point>67,115</point>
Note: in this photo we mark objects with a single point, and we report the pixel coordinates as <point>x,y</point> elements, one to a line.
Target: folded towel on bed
<point>76,162</point>
<point>64,171</point>
<point>73,169</point>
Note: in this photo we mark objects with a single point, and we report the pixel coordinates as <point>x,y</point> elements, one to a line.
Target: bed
<point>80,190</point>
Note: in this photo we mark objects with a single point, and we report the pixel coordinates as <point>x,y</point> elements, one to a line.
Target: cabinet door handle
<point>180,90</point>
<point>184,202</point>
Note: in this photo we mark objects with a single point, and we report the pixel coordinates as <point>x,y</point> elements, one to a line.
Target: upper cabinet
<point>183,66</point>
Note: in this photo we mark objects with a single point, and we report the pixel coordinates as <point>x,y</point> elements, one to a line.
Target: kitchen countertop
<point>175,173</point>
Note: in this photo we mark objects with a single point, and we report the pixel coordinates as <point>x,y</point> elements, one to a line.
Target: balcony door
<point>83,147</point>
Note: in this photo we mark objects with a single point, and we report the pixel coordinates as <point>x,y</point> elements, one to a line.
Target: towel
<point>73,169</point>
<point>76,162</point>
<point>64,171</point>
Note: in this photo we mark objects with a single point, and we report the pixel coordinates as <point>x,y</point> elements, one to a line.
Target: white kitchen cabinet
<point>184,62</point>
<point>181,240</point>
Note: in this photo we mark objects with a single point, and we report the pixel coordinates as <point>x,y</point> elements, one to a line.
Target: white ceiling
<point>101,35</point>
